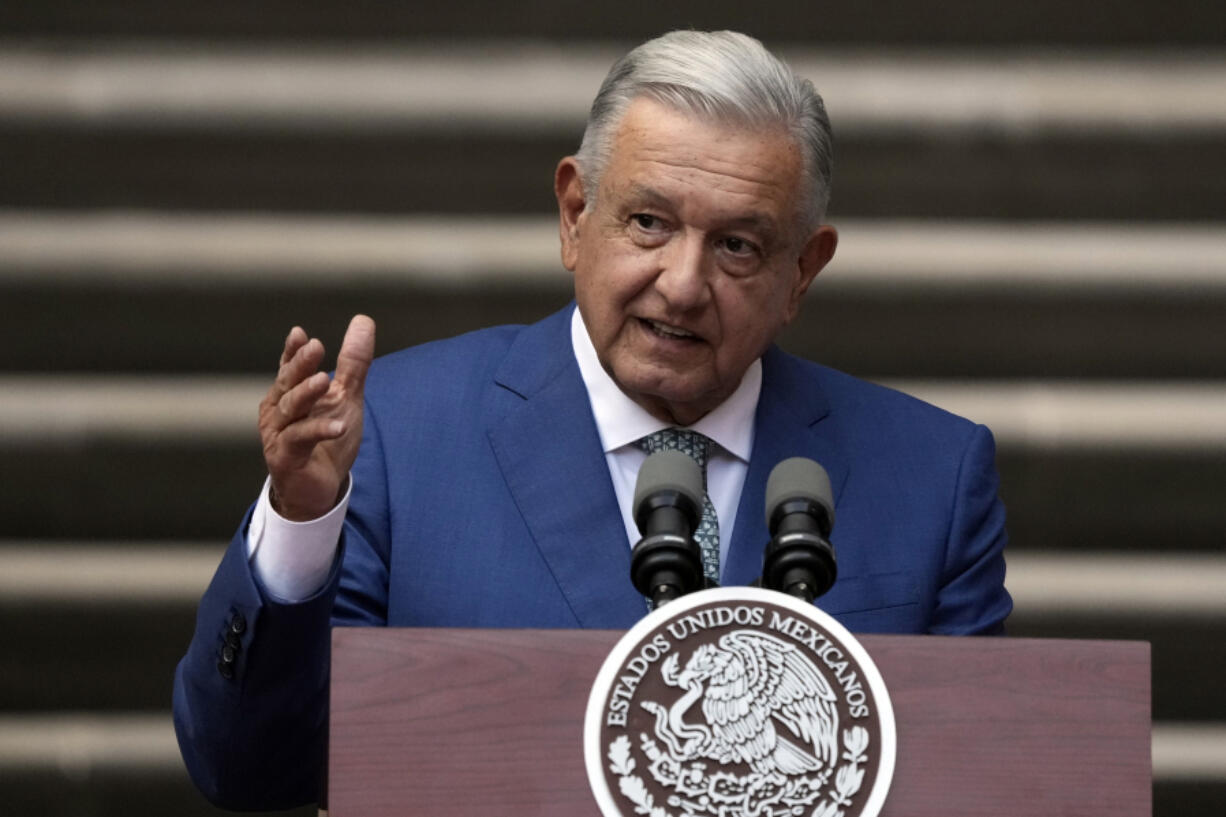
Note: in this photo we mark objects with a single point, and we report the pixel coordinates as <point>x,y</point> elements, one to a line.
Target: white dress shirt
<point>623,422</point>
<point>292,559</point>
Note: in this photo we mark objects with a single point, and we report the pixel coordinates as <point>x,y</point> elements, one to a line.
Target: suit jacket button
<point>238,624</point>
<point>228,654</point>
<point>234,640</point>
<point>226,669</point>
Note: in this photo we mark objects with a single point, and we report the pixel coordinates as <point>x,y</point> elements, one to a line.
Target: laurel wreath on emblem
<point>697,793</point>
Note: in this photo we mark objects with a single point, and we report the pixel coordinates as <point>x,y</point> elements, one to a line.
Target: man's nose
<point>683,275</point>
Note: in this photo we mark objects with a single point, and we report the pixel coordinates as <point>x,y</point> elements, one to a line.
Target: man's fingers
<point>303,408</point>
<point>297,440</point>
<point>298,401</point>
<point>296,338</point>
<point>301,365</point>
<point>357,350</point>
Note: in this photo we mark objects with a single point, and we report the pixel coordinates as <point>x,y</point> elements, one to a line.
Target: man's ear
<point>814,256</point>
<point>568,188</point>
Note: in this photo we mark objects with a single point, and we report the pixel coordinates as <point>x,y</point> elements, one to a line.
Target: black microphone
<point>799,558</point>
<point>667,562</point>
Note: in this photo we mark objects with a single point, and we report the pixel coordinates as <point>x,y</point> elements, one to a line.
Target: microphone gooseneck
<point>666,563</point>
<point>799,558</point>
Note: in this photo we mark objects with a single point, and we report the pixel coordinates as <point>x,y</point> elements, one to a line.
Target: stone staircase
<point>1030,200</point>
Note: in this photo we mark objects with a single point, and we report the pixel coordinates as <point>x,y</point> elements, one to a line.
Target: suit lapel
<point>549,451</point>
<point>793,420</point>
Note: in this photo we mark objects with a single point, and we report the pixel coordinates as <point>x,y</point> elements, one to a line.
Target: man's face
<point>691,258</point>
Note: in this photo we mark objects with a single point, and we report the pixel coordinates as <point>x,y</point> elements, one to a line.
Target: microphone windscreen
<point>668,471</point>
<point>798,478</point>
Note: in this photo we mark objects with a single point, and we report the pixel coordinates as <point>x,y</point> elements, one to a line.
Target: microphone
<point>799,558</point>
<point>667,563</point>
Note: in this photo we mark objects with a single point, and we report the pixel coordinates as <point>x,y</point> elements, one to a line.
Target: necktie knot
<point>695,444</point>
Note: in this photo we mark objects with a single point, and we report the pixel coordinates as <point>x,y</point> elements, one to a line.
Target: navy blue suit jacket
<point>482,499</point>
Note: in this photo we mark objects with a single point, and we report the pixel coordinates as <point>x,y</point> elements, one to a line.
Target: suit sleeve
<point>250,695</point>
<point>972,599</point>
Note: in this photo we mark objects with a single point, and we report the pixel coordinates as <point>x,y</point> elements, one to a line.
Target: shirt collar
<point>621,421</point>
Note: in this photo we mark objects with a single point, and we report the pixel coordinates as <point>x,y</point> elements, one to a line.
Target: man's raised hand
<point>311,425</point>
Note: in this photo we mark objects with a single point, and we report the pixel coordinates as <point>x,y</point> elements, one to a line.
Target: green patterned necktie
<point>698,447</point>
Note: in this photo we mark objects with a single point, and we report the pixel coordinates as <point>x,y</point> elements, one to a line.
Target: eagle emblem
<point>739,702</point>
<point>750,686</point>
<point>767,741</point>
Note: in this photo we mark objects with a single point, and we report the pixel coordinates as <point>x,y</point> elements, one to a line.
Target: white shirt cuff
<point>292,560</point>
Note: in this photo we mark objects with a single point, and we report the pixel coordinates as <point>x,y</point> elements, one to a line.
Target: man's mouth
<point>664,330</point>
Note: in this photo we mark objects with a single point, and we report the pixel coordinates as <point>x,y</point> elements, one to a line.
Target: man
<point>485,481</point>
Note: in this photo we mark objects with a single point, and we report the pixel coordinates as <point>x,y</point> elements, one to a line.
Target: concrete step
<point>1107,467</point>
<point>142,291</point>
<point>898,175</point>
<point>1006,134</point>
<point>947,22</point>
<point>456,86</point>
<point>1046,585</point>
<point>143,249</point>
<point>70,764</point>
<point>1041,416</point>
<point>101,625</point>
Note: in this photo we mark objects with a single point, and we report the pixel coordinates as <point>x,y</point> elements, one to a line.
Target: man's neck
<point>620,420</point>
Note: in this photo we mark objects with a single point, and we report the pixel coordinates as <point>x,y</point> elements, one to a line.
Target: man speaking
<point>486,480</point>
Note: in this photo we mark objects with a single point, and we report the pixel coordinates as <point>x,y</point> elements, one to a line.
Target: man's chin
<point>670,400</point>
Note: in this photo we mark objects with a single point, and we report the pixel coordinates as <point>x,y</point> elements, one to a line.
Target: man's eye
<point>645,221</point>
<point>738,246</point>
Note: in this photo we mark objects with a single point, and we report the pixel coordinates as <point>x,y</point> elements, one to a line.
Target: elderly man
<point>486,480</point>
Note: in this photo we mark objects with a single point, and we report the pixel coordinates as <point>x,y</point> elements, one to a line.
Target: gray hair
<point>721,76</point>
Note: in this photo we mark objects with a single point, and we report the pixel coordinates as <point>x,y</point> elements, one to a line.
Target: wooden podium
<point>490,722</point>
